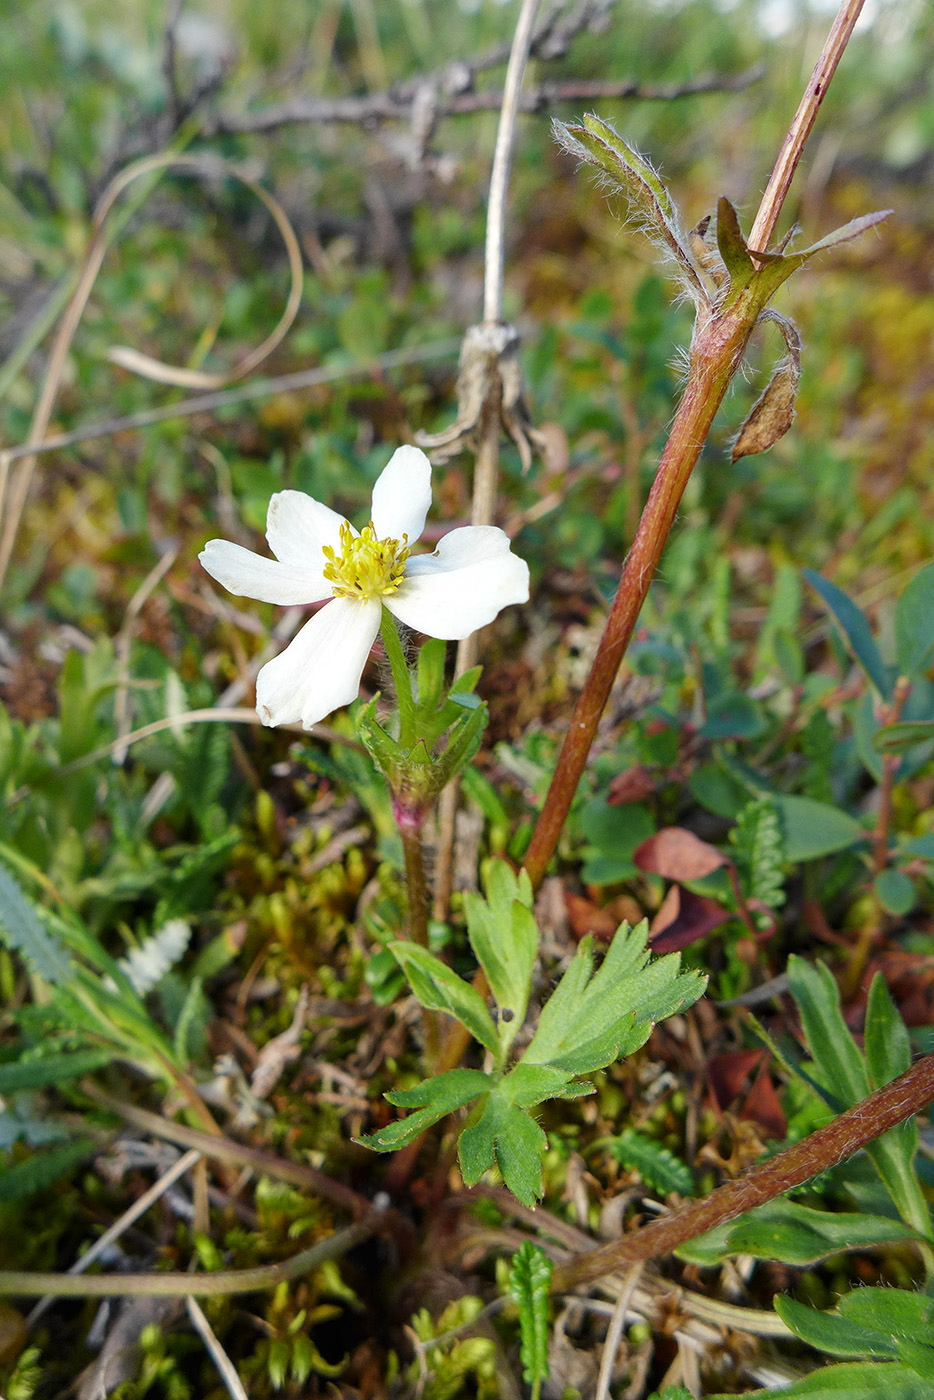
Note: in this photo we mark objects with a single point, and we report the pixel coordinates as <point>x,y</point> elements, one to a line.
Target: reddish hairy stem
<point>717,350</point>
<point>884,1109</point>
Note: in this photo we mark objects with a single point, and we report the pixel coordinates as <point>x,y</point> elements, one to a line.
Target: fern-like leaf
<point>759,845</point>
<point>529,1280</point>
<point>659,1168</point>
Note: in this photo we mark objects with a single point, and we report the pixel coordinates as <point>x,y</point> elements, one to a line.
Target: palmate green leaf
<point>863,1380</point>
<point>438,988</point>
<point>528,1085</point>
<point>432,1100</point>
<point>529,1281</point>
<point>22,930</point>
<point>857,631</point>
<point>504,936</point>
<point>507,1134</point>
<point>914,624</point>
<point>792,1234</point>
<point>591,1020</point>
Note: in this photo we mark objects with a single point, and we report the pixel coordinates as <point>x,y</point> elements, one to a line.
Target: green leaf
<point>433,1100</point>
<point>21,930</point>
<point>857,631</point>
<point>877,1322</point>
<point>36,1173</point>
<point>51,1069</point>
<point>592,1020</point>
<point>446,1091</point>
<point>896,738</point>
<point>914,624</point>
<point>844,1072</point>
<point>847,231</point>
<point>813,829</point>
<point>885,1038</point>
<point>658,1167</point>
<point>440,989</point>
<point>895,891</point>
<point>529,1282</point>
<point>504,936</point>
<point>832,1047</point>
<point>597,143</point>
<point>733,249</point>
<point>527,1085</point>
<point>865,1380</point>
<point>430,674</point>
<point>792,1234</point>
<point>506,1133</point>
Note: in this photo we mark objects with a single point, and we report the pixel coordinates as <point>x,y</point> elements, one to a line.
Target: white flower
<point>470,577</point>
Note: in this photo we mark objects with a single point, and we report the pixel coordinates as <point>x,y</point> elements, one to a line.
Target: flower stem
<point>717,351</point>
<point>402,679</point>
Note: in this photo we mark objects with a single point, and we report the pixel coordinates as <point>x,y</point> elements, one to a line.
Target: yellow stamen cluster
<point>365,567</point>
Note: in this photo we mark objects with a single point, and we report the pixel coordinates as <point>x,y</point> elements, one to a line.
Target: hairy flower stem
<point>716,352</point>
<point>866,1121</point>
<point>718,346</point>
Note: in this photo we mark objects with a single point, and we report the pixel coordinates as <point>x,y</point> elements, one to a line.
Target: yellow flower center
<point>365,567</point>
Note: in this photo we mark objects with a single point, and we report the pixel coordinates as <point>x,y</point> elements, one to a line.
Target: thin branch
<point>378,108</point>
<point>226,398</point>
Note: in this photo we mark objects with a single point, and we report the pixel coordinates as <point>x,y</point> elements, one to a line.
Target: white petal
<point>321,667</point>
<point>252,576</point>
<point>402,495</point>
<point>298,526</point>
<point>470,577</point>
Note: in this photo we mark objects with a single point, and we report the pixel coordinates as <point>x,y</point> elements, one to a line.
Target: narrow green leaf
<point>793,1234</point>
<point>44,1169</point>
<point>847,231</point>
<point>520,1146</point>
<point>433,1100</point>
<point>527,1085</point>
<point>446,1091</point>
<point>839,1063</point>
<point>529,1282</point>
<point>896,738</point>
<point>733,248</point>
<point>885,1041</point>
<point>51,1069</point>
<point>830,1332</point>
<point>597,143</point>
<point>864,1380</point>
<point>22,930</point>
<point>430,674</point>
<point>857,631</point>
<point>894,1311</point>
<point>438,988</point>
<point>914,624</point>
<point>504,936</point>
